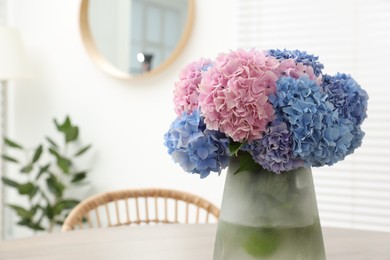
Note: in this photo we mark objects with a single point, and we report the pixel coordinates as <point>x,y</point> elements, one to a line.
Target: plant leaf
<point>33,192</point>
<point>59,222</point>
<point>37,154</point>
<point>26,188</point>
<point>54,152</point>
<point>55,186</point>
<point>64,205</point>
<point>12,144</point>
<point>22,212</point>
<point>64,126</point>
<point>10,182</point>
<point>24,222</point>
<point>29,223</point>
<point>246,163</point>
<point>234,147</point>
<point>42,170</point>
<point>27,169</point>
<point>49,211</point>
<point>9,158</point>
<point>71,134</point>
<point>64,164</point>
<point>58,208</point>
<point>82,150</point>
<point>51,142</point>
<point>79,177</point>
<point>69,203</point>
<point>36,226</point>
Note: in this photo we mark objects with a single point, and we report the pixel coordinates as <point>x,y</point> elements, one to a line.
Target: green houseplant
<point>45,174</point>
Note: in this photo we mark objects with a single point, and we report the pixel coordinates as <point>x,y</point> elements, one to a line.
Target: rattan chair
<point>140,207</point>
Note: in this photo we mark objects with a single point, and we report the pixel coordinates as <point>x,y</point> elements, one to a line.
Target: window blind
<point>351,36</point>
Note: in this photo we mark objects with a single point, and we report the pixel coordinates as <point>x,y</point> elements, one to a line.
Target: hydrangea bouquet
<point>274,108</point>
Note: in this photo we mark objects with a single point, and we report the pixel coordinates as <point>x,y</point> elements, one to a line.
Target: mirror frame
<point>110,69</point>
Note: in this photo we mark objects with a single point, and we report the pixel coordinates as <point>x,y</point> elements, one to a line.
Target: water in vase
<point>269,243</point>
<point>269,216</point>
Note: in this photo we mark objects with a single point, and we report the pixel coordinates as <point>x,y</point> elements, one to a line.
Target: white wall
<point>124,120</point>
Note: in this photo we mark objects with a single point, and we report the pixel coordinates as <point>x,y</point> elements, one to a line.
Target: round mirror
<point>135,38</point>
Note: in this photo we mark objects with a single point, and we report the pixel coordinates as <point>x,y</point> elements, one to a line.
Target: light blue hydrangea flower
<point>274,150</point>
<point>299,56</point>
<point>319,136</point>
<point>195,148</point>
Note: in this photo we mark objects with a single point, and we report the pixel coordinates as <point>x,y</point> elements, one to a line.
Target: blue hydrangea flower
<point>195,148</point>
<point>274,150</point>
<point>357,139</point>
<point>299,56</point>
<point>347,96</point>
<point>319,136</point>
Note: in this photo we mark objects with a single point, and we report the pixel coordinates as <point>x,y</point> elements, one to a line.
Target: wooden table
<point>172,242</point>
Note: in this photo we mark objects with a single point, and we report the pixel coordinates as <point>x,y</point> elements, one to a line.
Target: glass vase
<point>269,216</point>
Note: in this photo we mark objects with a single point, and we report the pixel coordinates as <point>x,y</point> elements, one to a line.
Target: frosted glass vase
<point>269,216</point>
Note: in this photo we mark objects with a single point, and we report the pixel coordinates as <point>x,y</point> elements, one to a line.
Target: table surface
<point>173,242</point>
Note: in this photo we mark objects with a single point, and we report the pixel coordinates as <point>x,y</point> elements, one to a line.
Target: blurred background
<point>125,118</point>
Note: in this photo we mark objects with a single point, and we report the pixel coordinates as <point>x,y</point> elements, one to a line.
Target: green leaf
<point>9,158</point>
<point>69,204</point>
<point>36,226</point>
<point>71,134</point>
<point>22,212</point>
<point>64,126</point>
<point>49,211</point>
<point>60,222</point>
<point>79,177</point>
<point>246,163</point>
<point>27,169</point>
<point>45,197</point>
<point>10,182</point>
<point>54,152</point>
<point>42,170</point>
<point>12,144</point>
<point>55,186</point>
<point>64,164</point>
<point>51,142</point>
<point>83,150</point>
<point>26,188</point>
<point>37,154</point>
<point>234,147</point>
<point>33,192</point>
<point>58,208</point>
<point>29,223</point>
<point>24,222</point>
<point>64,205</point>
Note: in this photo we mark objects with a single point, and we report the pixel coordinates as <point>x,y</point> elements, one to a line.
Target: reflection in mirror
<point>136,36</point>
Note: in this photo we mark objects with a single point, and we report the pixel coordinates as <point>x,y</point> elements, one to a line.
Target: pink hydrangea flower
<point>186,89</point>
<point>233,94</point>
<point>295,70</point>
